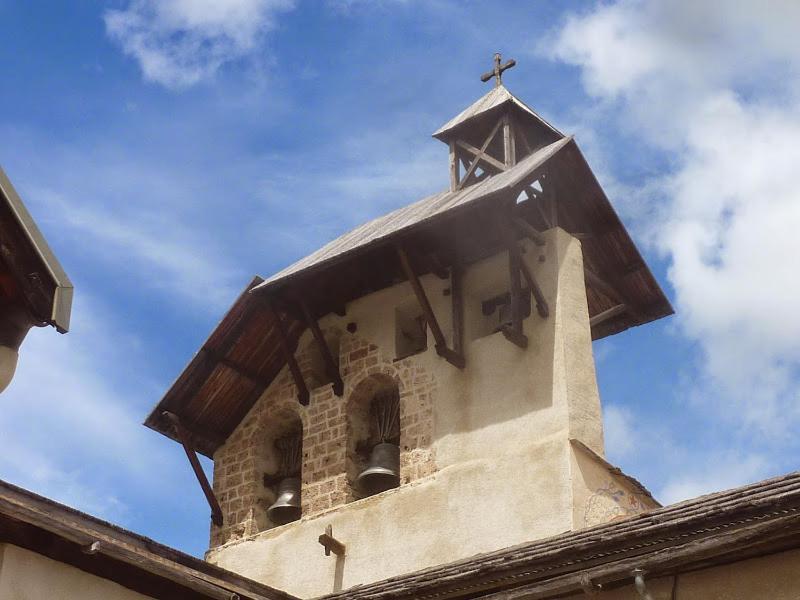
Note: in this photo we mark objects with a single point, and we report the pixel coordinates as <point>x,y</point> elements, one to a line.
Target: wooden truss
<point>473,157</point>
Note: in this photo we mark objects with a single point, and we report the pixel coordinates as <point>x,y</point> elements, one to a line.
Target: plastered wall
<point>489,462</point>
<point>25,575</point>
<point>772,577</point>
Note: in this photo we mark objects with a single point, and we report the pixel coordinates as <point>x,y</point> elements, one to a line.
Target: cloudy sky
<point>170,149</point>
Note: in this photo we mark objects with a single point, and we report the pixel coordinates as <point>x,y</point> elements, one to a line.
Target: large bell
<point>383,470</point>
<point>286,507</point>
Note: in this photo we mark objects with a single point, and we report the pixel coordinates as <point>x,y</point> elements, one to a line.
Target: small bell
<point>383,470</point>
<point>286,507</point>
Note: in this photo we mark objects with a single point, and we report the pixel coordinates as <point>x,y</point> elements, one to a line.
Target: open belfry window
<point>285,483</point>
<point>410,330</point>
<point>318,373</point>
<point>383,467</point>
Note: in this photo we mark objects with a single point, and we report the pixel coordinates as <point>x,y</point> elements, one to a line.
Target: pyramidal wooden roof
<point>497,97</point>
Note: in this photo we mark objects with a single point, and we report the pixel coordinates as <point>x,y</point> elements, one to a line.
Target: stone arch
<point>280,420</point>
<point>360,432</point>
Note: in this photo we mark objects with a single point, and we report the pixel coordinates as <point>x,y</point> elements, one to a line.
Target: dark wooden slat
<point>185,439</point>
<point>474,163</point>
<point>330,364</point>
<point>283,337</point>
<point>509,146</point>
<point>441,344</point>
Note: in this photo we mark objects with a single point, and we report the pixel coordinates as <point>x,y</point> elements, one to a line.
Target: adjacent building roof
<point>43,282</point>
<point>133,561</point>
<point>711,530</point>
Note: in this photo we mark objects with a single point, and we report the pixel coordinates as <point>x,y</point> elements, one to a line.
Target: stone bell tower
<point>422,389</point>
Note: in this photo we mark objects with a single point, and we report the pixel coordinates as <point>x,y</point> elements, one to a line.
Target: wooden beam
<point>330,364</point>
<point>514,332</point>
<point>509,146</point>
<point>482,151</point>
<point>302,390</point>
<point>185,439</point>
<point>541,303</point>
<point>607,314</point>
<point>457,298</point>
<point>529,230</point>
<point>454,167</point>
<point>441,344</point>
<point>330,543</point>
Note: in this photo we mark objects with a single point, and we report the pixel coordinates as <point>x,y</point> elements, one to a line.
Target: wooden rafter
<point>509,145</point>
<point>330,364</point>
<point>297,375</point>
<point>185,438</point>
<point>513,333</point>
<point>541,303</point>
<point>455,359</point>
<point>602,286</point>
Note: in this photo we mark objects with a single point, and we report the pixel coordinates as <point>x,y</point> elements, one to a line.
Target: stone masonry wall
<point>240,464</point>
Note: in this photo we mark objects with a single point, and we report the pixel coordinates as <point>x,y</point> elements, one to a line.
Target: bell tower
<point>422,389</point>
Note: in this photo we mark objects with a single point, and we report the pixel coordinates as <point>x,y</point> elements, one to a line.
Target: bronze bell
<point>286,507</point>
<point>383,470</point>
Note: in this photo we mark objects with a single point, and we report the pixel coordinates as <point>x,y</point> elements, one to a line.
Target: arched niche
<point>370,422</point>
<point>276,462</point>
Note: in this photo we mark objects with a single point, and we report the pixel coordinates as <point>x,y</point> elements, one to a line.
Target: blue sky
<point>171,150</point>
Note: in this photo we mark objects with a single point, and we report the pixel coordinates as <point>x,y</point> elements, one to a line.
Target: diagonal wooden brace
<point>330,364</point>
<point>302,390</point>
<point>185,438</point>
<point>457,360</point>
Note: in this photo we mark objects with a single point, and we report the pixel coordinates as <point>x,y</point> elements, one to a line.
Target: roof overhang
<point>39,277</point>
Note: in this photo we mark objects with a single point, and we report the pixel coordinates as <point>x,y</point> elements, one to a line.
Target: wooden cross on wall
<point>497,72</point>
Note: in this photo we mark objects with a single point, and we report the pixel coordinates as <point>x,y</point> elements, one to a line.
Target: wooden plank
<point>330,364</point>
<point>185,439</point>
<point>509,147</point>
<point>441,344</point>
<point>608,314</point>
<point>541,303</point>
<point>302,390</point>
<point>529,230</point>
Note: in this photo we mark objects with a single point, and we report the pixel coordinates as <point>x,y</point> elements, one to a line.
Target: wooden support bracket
<point>529,230</point>
<point>514,333</point>
<point>330,543</point>
<point>541,303</point>
<point>185,439</point>
<point>302,390</point>
<point>607,314</point>
<point>457,360</point>
<point>330,364</point>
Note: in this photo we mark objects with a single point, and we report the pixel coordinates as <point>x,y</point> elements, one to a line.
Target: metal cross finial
<point>497,72</point>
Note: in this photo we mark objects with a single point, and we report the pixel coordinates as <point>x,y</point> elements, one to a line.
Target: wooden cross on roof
<point>497,72</point>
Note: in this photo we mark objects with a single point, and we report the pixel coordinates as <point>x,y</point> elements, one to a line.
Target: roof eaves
<point>62,301</point>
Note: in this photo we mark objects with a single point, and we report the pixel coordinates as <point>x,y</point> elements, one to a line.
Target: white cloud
<point>621,436</point>
<point>179,43</point>
<point>713,85</point>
